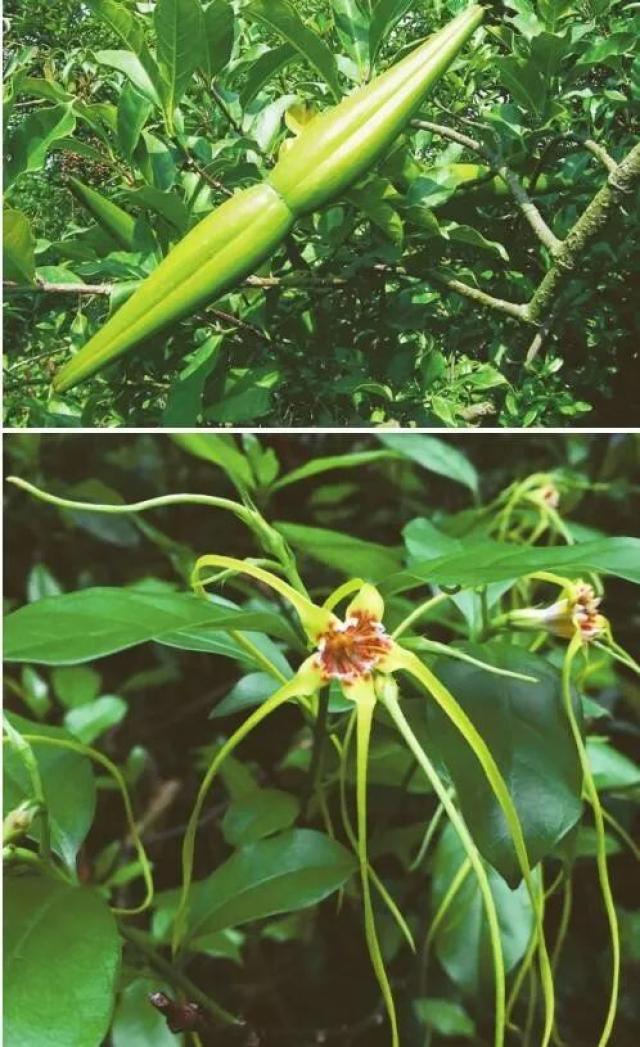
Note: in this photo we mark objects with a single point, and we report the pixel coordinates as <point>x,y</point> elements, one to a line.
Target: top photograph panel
<point>327,213</point>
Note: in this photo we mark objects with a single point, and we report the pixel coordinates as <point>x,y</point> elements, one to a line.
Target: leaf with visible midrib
<point>18,247</point>
<point>62,956</point>
<point>179,40</point>
<point>527,731</point>
<point>67,782</point>
<point>291,871</point>
<point>92,623</point>
<point>281,16</point>
<point>482,562</point>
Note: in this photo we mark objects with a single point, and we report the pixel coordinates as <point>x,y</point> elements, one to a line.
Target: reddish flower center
<point>352,648</point>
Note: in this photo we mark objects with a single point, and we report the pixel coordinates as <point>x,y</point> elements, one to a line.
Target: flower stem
<point>601,847</point>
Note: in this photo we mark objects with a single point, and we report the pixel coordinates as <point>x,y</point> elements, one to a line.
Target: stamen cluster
<point>351,649</point>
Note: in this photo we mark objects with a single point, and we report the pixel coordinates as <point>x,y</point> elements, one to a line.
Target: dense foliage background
<point>348,340</point>
<point>157,711</point>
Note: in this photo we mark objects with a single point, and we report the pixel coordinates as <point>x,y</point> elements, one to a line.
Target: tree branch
<point>533,216</point>
<point>175,977</point>
<point>619,184</point>
<point>519,312</point>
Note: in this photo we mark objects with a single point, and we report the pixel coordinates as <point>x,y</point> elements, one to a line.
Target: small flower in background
<point>548,494</point>
<point>577,610</point>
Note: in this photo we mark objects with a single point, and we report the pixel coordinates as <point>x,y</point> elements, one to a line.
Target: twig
<point>176,977</point>
<point>539,339</point>
<point>515,186</point>
<point>57,288</point>
<point>519,312</point>
<point>224,109</point>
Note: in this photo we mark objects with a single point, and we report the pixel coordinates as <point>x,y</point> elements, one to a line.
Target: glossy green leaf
<point>92,623</point>
<point>524,82</point>
<point>67,783</point>
<point>611,770</point>
<point>18,246</point>
<point>133,111</point>
<point>218,37</point>
<point>75,686</point>
<point>178,26</point>
<point>352,26</point>
<point>258,814</point>
<point>486,561</point>
<point>462,941</point>
<point>27,147</point>
<point>445,1017</point>
<point>328,464</point>
<point>264,68</point>
<point>129,27</point>
<point>250,691</point>
<point>386,13</point>
<point>88,722</point>
<point>526,729</point>
<point>435,455</point>
<point>136,1023</point>
<point>212,641</point>
<point>352,556</point>
<point>282,17</point>
<point>128,63</point>
<point>290,871</point>
<point>62,956</point>
<point>220,450</point>
<point>467,234</point>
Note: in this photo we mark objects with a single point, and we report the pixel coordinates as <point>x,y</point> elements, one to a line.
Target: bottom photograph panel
<point>321,739</point>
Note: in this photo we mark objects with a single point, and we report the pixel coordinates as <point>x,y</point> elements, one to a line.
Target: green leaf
<point>27,147</point>
<point>178,25</point>
<point>466,234</point>
<point>611,769</point>
<point>136,1023</point>
<point>352,27</point>
<point>524,82</point>
<point>75,686</point>
<point>247,393</point>
<point>375,198</point>
<point>128,63</point>
<point>258,814</point>
<point>62,956</point>
<point>250,691</point>
<point>209,641</point>
<point>288,872</point>
<point>184,400</point>
<point>129,27</point>
<point>386,14</point>
<point>445,1017</point>
<point>335,461</point>
<point>133,110</point>
<point>352,556</point>
<point>526,729</point>
<point>262,70</point>
<point>222,451</point>
<point>67,782</point>
<point>218,37</point>
<point>91,623</point>
<point>435,455</point>
<point>18,246</point>
<point>486,561</point>
<point>462,941</point>
<point>88,722</point>
<point>285,20</point>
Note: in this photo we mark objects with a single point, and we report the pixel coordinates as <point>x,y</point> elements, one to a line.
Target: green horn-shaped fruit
<point>335,149</point>
<point>108,215</point>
